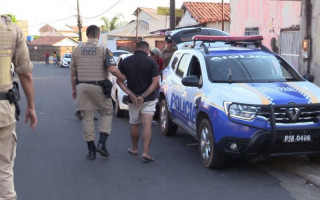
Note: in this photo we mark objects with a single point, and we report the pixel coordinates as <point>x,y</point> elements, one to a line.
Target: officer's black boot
<point>92,150</point>
<point>101,148</point>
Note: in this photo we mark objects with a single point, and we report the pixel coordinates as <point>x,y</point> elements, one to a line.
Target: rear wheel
<point>209,155</point>
<point>167,127</point>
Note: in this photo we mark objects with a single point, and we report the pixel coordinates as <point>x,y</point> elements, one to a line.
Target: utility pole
<point>172,14</point>
<point>222,20</point>
<point>79,22</point>
<point>137,25</point>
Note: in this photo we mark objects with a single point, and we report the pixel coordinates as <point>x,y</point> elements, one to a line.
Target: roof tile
<point>47,40</point>
<point>204,12</point>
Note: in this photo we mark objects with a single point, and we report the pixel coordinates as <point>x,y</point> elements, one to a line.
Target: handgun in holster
<point>13,96</point>
<point>106,86</point>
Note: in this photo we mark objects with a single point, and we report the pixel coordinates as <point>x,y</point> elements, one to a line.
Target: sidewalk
<point>300,166</point>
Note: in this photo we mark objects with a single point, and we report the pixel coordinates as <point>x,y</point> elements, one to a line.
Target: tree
<point>106,26</point>
<point>12,16</point>
<point>115,23</point>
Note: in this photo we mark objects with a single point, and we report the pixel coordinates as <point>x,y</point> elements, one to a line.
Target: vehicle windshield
<point>249,67</point>
<point>67,55</point>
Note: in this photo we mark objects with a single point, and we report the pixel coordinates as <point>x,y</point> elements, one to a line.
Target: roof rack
<point>233,40</point>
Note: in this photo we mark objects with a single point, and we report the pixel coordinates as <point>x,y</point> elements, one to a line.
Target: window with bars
<point>252,31</point>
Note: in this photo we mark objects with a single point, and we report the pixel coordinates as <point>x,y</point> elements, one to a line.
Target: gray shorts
<point>135,111</point>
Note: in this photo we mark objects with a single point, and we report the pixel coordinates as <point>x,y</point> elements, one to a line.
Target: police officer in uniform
<point>13,48</point>
<point>90,65</point>
<point>168,51</point>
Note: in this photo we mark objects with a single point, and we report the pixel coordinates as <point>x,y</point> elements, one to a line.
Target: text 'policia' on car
<point>239,99</point>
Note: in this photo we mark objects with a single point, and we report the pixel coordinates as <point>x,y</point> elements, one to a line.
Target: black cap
<point>169,39</point>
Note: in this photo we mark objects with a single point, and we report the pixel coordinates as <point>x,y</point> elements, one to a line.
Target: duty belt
<point>3,96</point>
<point>92,82</point>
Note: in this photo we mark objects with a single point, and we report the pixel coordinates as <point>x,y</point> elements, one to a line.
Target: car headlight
<point>241,111</point>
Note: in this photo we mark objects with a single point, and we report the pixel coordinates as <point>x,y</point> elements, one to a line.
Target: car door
<point>178,95</point>
<point>191,95</point>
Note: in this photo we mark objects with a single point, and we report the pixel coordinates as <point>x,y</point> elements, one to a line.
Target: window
<point>195,68</point>
<point>252,31</point>
<point>183,65</point>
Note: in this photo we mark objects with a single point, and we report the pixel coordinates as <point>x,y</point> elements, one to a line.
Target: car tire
<point>117,111</point>
<point>167,127</point>
<point>209,156</point>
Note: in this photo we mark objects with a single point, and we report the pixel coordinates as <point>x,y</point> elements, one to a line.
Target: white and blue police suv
<point>239,99</point>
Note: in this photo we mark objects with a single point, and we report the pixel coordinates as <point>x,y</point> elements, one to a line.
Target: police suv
<point>239,99</point>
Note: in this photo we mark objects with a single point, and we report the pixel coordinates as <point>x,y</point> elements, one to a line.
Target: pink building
<point>263,17</point>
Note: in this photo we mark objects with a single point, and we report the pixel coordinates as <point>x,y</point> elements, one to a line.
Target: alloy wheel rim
<point>163,118</point>
<point>205,143</point>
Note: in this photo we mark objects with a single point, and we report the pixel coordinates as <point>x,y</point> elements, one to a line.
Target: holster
<point>106,86</point>
<point>13,96</point>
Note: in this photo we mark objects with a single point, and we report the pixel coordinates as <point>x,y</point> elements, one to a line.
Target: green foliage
<point>106,26</point>
<point>36,37</point>
<point>114,23</point>
<point>12,16</point>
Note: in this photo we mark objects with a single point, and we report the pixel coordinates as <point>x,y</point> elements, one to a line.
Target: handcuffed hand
<point>139,101</point>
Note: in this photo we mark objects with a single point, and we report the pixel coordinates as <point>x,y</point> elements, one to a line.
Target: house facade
<point>309,33</point>
<point>263,17</point>
<point>205,14</point>
<point>60,44</point>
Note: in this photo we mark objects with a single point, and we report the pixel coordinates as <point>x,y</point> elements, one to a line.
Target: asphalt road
<point>51,162</point>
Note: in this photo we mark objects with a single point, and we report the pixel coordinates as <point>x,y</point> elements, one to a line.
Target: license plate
<point>297,138</point>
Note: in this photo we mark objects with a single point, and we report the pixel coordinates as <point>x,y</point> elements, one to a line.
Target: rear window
<point>67,55</point>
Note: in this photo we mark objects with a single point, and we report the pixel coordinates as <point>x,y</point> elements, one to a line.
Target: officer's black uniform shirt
<point>139,70</point>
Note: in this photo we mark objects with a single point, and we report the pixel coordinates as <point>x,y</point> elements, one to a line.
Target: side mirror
<point>191,81</point>
<point>309,77</point>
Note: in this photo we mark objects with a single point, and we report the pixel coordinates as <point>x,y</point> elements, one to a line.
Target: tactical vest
<point>90,63</point>
<point>6,37</point>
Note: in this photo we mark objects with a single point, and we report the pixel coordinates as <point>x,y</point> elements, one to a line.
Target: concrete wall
<point>315,40</point>
<point>218,25</point>
<point>39,53</point>
<point>187,20</point>
<point>269,16</point>
<point>155,41</point>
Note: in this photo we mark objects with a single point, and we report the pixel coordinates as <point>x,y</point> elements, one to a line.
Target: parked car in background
<point>66,59</point>
<point>117,93</point>
<point>117,53</point>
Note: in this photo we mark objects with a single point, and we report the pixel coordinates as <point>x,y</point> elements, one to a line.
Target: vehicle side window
<point>194,68</point>
<point>183,65</point>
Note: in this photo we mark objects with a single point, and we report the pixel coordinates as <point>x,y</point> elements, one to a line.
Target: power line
<point>103,11</point>
<point>62,19</point>
<point>68,4</point>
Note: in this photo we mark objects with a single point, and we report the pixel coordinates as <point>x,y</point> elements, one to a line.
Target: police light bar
<point>206,38</point>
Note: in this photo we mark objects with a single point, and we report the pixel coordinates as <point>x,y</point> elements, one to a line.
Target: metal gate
<point>290,45</point>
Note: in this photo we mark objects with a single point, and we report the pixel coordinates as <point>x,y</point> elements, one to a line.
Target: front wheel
<point>209,155</point>
<point>167,127</point>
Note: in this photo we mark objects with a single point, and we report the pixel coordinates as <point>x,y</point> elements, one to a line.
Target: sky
<point>57,13</point>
